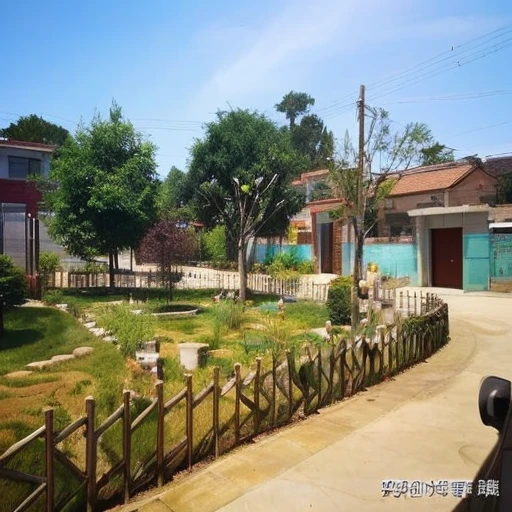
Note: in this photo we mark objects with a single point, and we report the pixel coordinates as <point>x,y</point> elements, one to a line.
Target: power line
<point>454,97</point>
<point>480,129</point>
<point>431,62</point>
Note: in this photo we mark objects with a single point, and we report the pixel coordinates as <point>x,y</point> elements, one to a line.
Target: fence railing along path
<point>217,418</point>
<point>301,288</point>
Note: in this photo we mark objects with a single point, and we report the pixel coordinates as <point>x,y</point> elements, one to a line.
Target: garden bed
<point>176,310</point>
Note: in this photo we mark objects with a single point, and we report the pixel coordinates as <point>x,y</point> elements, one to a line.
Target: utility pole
<point>359,220</point>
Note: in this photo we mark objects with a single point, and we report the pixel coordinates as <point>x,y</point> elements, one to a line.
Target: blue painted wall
<point>397,260</point>
<point>501,256</point>
<point>476,262</point>
<point>305,252</point>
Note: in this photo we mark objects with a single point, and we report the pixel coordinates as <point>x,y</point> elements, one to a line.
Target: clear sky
<point>172,64</point>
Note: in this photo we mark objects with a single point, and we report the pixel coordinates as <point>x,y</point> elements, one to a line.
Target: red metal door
<point>446,257</point>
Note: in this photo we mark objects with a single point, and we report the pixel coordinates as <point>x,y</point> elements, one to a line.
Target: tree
<point>396,151</point>
<point>35,129</point>
<point>101,191</point>
<point>167,244</point>
<point>49,263</point>
<point>436,154</point>
<point>504,189</point>
<point>295,104</point>
<point>171,193</point>
<point>13,287</point>
<point>310,137</point>
<point>241,171</point>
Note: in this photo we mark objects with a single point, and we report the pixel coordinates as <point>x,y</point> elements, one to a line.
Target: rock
<point>136,311</point>
<point>98,331</point>
<point>63,357</point>
<point>82,351</point>
<point>63,307</point>
<point>110,339</point>
<point>20,373</point>
<point>40,364</point>
<point>90,325</point>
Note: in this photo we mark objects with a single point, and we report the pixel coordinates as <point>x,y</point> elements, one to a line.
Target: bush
<point>339,300</point>
<point>307,267</point>
<point>226,315</point>
<point>53,297</point>
<point>130,330</point>
<point>74,307</point>
<point>215,244</point>
<point>49,263</point>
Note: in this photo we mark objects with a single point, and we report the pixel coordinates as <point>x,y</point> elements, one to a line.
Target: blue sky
<point>172,64</point>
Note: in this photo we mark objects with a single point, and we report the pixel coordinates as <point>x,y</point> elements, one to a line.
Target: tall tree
<point>395,151</point>
<point>295,104</point>
<point>35,129</point>
<point>241,171</point>
<point>13,287</point>
<point>436,154</point>
<point>171,192</point>
<point>104,183</point>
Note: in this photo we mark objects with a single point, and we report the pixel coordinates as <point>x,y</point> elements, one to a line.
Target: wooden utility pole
<point>359,220</point>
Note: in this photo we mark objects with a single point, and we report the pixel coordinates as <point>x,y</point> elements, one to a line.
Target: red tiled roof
<point>310,174</point>
<point>324,205</point>
<point>425,179</point>
<point>27,145</point>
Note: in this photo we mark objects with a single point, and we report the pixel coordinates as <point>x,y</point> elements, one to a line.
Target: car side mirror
<point>494,401</point>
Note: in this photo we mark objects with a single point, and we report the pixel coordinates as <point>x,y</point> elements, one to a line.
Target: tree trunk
<point>116,258</point>
<point>242,270</point>
<point>357,275</point>
<point>1,320</point>
<point>111,268</point>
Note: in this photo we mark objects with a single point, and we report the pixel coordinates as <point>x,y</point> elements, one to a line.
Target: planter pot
<point>193,355</point>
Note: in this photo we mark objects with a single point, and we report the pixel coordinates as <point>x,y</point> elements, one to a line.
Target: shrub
<point>339,300</point>
<point>226,315</point>
<point>74,307</point>
<point>49,263</point>
<point>53,297</point>
<point>130,330</point>
<point>307,267</point>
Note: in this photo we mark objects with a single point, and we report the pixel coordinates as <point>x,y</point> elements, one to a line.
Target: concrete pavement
<point>423,425</point>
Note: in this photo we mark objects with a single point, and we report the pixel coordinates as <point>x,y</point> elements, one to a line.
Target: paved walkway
<point>422,425</point>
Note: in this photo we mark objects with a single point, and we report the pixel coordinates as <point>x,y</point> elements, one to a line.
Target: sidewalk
<point>423,425</point>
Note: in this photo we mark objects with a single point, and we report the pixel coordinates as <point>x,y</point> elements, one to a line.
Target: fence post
<point>69,279</point>
<point>319,356</point>
<point>160,434</point>
<point>50,477</point>
<point>189,421</point>
<point>274,391</point>
<point>127,443</point>
<point>90,455</point>
<point>290,361</point>
<point>401,300</point>
<point>238,390</point>
<point>257,396</point>
<point>216,403</point>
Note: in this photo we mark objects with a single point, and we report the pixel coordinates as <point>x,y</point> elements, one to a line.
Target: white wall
<point>25,153</point>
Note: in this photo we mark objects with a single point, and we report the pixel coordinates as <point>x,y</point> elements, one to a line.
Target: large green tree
<point>385,152</point>
<point>13,287</point>
<point>35,129</point>
<point>241,172</point>
<point>310,136</point>
<point>104,184</point>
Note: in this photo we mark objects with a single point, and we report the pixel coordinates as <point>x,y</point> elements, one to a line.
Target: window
<point>20,168</point>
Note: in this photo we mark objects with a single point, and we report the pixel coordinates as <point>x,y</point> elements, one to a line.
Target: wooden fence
<point>294,385</point>
<point>303,288</point>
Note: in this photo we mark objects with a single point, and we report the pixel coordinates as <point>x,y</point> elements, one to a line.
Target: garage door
<point>446,257</point>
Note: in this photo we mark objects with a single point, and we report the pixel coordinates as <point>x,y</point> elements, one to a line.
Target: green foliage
<point>215,244</point>
<point>49,262</point>
<point>13,286</point>
<point>227,315</point>
<point>101,189</point>
<point>131,330</point>
<point>53,297</point>
<point>339,300</point>
<point>247,146</point>
<point>74,307</point>
<point>306,314</point>
<point>306,267</point>
<point>504,191</point>
<point>170,193</point>
<point>287,265</point>
<point>436,154</point>
<point>295,104</point>
<point>35,129</point>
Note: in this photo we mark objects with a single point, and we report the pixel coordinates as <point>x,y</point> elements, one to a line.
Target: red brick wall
<point>469,190</point>
<point>336,247</point>
<point>18,191</point>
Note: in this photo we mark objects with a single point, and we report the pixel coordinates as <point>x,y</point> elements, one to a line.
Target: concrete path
<point>424,425</point>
